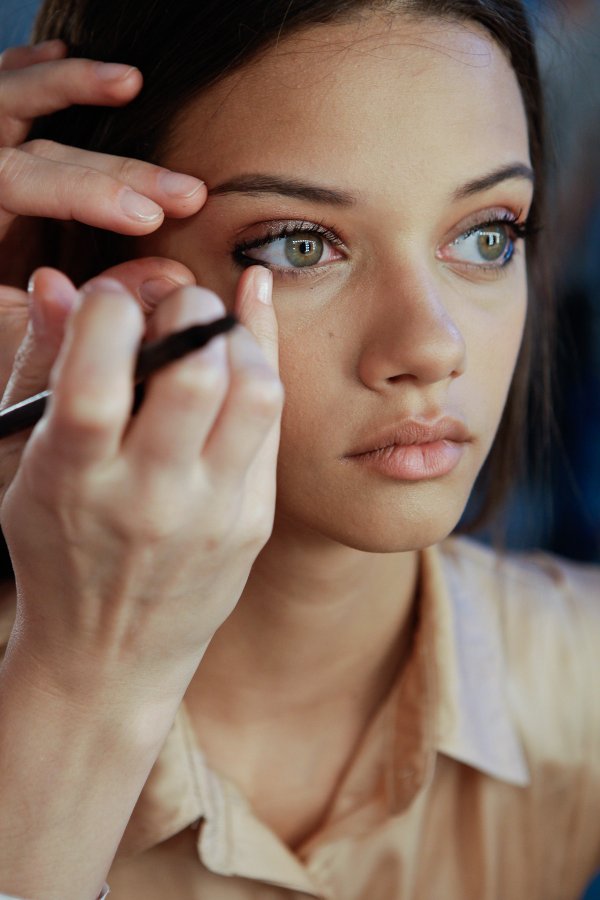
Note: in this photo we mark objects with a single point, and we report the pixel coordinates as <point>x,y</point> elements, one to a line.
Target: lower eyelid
<point>484,270</point>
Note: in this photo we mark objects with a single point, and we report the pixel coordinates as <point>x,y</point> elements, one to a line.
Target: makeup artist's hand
<point>44,179</point>
<point>49,180</point>
<point>132,540</point>
<point>33,324</point>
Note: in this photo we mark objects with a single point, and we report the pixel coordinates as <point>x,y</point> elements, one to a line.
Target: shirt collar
<point>461,608</point>
<point>182,790</point>
<point>449,698</point>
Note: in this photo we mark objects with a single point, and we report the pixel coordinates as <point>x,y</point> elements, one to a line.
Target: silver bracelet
<point>103,895</point>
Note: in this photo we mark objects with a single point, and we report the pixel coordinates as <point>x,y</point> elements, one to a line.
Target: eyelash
<point>278,230</point>
<point>518,230</point>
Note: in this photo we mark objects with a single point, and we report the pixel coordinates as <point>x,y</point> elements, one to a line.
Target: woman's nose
<point>409,333</point>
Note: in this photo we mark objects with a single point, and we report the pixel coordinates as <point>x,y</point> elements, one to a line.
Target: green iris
<point>491,243</point>
<point>303,250</point>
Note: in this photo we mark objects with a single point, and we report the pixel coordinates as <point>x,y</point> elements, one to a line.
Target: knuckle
<point>151,528</point>
<point>259,528</point>
<point>262,394</point>
<point>191,385</point>
<point>90,181</point>
<point>39,147</point>
<point>86,416</point>
<point>82,186</point>
<point>128,170</point>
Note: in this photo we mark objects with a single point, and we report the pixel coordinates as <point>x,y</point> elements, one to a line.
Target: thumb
<point>51,297</point>
<point>254,309</point>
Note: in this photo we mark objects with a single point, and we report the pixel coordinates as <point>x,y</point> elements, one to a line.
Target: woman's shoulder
<point>531,584</point>
<point>539,602</point>
<point>544,614</point>
<point>526,583</point>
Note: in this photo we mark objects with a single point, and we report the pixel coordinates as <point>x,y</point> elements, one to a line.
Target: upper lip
<point>414,431</point>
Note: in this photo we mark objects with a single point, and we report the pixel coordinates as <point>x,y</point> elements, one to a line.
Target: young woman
<point>213,688</point>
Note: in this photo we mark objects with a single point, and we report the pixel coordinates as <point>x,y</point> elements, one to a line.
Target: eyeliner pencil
<point>151,357</point>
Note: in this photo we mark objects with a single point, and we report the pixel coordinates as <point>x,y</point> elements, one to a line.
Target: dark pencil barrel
<point>151,357</point>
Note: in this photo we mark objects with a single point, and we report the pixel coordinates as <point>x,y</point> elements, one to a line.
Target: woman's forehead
<point>414,99</point>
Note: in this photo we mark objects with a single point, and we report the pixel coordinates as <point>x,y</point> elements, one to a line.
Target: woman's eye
<point>488,246</point>
<point>298,250</point>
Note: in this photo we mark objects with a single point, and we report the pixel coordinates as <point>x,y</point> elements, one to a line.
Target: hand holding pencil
<point>117,519</point>
<point>151,358</point>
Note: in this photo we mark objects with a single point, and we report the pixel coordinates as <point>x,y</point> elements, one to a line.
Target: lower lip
<point>414,462</point>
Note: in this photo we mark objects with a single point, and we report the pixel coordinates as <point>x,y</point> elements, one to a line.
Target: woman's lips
<point>414,450</point>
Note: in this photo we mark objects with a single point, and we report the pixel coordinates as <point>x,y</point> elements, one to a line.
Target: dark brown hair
<point>183,47</point>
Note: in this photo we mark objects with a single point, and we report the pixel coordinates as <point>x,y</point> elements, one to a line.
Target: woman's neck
<point>319,626</point>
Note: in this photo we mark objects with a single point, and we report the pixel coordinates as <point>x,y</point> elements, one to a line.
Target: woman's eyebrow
<point>505,173</point>
<point>303,190</point>
<point>288,187</point>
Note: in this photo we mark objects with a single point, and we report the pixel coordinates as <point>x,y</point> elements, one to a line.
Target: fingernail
<point>177,185</point>
<point>263,283</point>
<point>103,285</point>
<point>113,71</point>
<point>156,289</point>
<point>138,207</point>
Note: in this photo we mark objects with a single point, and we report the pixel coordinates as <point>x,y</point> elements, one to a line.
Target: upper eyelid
<point>279,229</point>
<point>491,215</point>
<point>276,227</point>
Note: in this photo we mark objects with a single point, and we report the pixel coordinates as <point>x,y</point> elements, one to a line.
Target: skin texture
<point>401,114</point>
<point>391,332</point>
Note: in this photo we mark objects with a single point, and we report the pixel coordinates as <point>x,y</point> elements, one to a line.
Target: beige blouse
<point>477,779</point>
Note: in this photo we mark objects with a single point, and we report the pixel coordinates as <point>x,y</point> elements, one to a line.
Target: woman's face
<point>377,169</point>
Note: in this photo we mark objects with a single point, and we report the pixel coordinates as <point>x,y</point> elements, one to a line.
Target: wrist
<point>125,700</point>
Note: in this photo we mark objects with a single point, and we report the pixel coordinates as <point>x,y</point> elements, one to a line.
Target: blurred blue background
<point>16,17</point>
<point>563,515</point>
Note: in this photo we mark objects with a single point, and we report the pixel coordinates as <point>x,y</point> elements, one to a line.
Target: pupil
<point>492,244</point>
<point>303,251</point>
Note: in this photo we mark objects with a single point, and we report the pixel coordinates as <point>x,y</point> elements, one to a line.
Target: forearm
<point>70,775</point>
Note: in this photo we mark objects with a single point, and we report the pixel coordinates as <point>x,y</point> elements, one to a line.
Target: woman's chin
<point>404,530</point>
